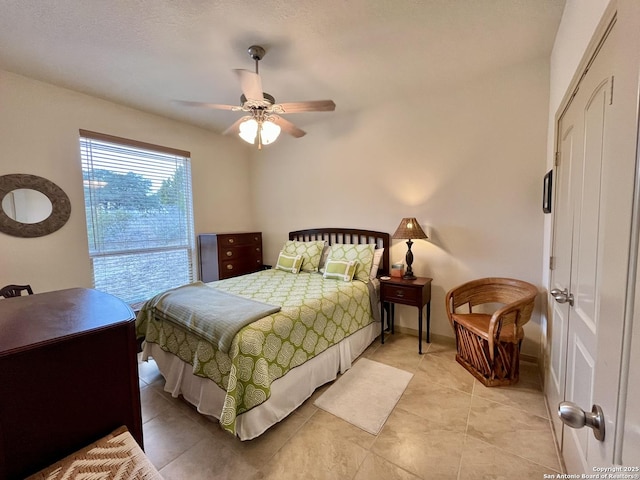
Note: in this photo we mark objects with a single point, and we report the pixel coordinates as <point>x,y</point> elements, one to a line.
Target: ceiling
<point>148,53</point>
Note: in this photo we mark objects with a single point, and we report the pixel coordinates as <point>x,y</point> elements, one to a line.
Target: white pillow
<point>324,257</point>
<point>377,257</point>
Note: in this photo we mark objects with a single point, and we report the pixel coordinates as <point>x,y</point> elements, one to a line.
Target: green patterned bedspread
<point>316,313</point>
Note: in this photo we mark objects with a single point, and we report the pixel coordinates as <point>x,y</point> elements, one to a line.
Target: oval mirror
<point>26,205</point>
<point>32,206</point>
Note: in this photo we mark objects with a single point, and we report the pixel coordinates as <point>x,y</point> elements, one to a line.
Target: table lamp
<point>409,229</point>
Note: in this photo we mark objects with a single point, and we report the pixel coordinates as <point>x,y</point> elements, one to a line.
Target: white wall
<point>466,160</point>
<point>579,21</point>
<point>39,126</point>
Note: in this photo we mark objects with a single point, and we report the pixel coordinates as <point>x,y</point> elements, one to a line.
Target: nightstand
<point>416,293</point>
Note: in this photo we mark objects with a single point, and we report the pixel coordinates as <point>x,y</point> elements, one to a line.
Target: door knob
<point>573,416</point>
<point>562,296</point>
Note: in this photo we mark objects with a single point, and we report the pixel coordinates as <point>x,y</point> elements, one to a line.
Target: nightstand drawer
<point>415,292</point>
<point>401,294</point>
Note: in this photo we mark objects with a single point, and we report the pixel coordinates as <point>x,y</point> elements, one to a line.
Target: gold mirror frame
<point>60,206</point>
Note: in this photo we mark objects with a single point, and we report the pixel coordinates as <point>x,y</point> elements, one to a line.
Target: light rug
<point>366,394</point>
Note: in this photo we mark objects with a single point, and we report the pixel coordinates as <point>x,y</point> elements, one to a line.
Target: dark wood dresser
<point>226,255</point>
<point>68,376</point>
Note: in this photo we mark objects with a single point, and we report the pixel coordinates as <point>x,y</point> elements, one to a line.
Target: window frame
<point>87,135</point>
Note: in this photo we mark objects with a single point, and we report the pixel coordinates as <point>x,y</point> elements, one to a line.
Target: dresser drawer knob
<point>231,240</point>
<point>229,267</point>
<point>399,293</point>
<point>229,253</point>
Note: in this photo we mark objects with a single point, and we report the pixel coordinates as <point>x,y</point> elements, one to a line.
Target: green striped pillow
<point>340,269</point>
<point>289,263</point>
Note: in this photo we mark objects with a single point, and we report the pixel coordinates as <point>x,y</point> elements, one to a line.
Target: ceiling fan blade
<point>287,126</point>
<point>235,127</point>
<point>216,106</point>
<point>312,106</point>
<point>250,84</point>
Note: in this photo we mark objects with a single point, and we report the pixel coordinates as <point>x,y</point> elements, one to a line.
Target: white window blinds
<point>139,214</point>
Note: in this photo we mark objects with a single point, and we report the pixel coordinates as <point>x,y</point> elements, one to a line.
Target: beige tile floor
<point>446,426</point>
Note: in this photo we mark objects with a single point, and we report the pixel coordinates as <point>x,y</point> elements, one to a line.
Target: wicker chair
<point>15,290</point>
<point>489,334</point>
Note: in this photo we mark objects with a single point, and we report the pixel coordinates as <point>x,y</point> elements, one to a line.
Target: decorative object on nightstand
<point>410,229</point>
<point>397,270</point>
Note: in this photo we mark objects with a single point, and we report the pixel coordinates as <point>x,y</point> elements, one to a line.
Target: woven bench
<point>116,456</point>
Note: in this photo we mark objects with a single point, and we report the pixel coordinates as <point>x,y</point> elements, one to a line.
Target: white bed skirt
<point>287,393</point>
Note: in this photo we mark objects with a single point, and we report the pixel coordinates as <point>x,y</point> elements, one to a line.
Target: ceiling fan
<point>263,122</point>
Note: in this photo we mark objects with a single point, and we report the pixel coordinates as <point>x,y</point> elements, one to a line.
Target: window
<point>139,212</point>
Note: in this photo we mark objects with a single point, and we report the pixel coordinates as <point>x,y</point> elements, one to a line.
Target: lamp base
<point>408,275</point>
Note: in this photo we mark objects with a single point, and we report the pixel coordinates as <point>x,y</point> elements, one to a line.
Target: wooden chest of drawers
<point>68,376</point>
<point>226,255</point>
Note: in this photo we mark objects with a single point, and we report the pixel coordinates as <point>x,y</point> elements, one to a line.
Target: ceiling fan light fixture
<point>262,123</point>
<point>249,130</point>
<point>265,131</point>
<point>269,132</point>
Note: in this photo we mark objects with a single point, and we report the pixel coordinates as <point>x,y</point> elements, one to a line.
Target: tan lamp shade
<point>410,229</point>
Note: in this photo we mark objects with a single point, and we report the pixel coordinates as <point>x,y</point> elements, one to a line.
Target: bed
<point>301,323</point>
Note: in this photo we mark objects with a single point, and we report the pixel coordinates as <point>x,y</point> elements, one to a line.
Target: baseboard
<point>446,339</point>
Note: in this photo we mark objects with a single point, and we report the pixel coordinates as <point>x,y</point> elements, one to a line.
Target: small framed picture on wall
<point>546,192</point>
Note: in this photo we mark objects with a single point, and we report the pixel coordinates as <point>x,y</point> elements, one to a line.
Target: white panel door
<point>591,105</point>
<point>561,277</point>
<point>584,354</point>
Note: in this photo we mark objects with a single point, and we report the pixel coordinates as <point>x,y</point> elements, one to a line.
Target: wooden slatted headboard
<point>348,235</point>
